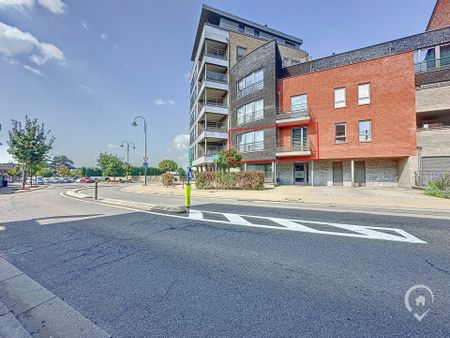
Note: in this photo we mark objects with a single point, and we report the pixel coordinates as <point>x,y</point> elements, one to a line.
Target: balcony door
<point>299,138</point>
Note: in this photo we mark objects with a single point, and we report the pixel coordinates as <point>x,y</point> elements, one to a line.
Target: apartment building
<point>222,39</point>
<point>346,120</point>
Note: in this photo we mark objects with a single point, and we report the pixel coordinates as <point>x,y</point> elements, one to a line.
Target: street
<point>137,274</point>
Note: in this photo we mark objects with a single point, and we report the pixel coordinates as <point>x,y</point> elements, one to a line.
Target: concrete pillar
<point>274,172</point>
<point>312,173</point>
<point>437,53</point>
<point>245,166</point>
<point>352,168</point>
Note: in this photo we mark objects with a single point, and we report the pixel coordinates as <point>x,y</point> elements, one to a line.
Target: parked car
<point>46,180</point>
<point>86,180</point>
<point>54,180</point>
<point>40,180</point>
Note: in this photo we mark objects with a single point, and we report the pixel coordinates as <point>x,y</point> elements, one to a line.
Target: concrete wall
<point>434,142</point>
<point>432,99</point>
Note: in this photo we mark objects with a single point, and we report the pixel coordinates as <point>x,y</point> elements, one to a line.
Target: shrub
<point>167,180</point>
<point>439,188</point>
<point>247,180</point>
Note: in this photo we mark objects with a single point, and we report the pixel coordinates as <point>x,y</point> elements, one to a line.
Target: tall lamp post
<point>128,143</point>
<point>134,124</point>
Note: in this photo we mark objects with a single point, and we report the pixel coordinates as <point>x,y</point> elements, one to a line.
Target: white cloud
<point>84,24</point>
<point>86,88</point>
<point>109,145</point>
<point>54,6</point>
<point>14,42</point>
<point>33,70</point>
<point>181,142</point>
<point>161,102</point>
<point>103,36</point>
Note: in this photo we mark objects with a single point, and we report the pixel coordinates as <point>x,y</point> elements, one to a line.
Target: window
<point>252,141</point>
<point>339,98</point>
<point>341,133</point>
<point>299,103</point>
<point>250,112</point>
<point>365,131</point>
<point>240,52</point>
<point>256,33</point>
<point>241,28</point>
<point>364,93</point>
<point>250,83</point>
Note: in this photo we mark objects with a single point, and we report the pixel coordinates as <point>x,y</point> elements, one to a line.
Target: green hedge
<point>246,180</point>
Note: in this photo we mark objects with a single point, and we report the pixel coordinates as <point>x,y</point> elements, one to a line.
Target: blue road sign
<point>145,164</point>
<point>189,174</point>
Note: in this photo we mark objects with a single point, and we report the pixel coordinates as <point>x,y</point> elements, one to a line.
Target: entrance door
<point>360,174</point>
<point>338,174</point>
<point>301,173</point>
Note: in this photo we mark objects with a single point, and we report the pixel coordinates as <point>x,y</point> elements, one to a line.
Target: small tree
<point>167,165</point>
<point>228,160</point>
<point>62,170</point>
<point>111,165</point>
<point>181,172</point>
<point>28,143</point>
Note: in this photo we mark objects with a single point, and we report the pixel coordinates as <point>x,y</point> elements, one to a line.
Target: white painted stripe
<point>293,225</point>
<point>195,214</point>
<point>236,219</point>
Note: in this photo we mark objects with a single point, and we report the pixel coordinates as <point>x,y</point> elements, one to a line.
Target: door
<point>301,173</point>
<point>360,174</point>
<point>338,174</point>
<point>299,139</point>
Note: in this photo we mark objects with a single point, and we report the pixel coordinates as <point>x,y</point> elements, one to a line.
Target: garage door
<point>436,164</point>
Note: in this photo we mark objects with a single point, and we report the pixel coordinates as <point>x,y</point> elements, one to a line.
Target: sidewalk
<point>331,196</point>
<point>17,188</point>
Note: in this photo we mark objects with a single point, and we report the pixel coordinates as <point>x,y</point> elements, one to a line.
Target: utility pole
<point>128,143</point>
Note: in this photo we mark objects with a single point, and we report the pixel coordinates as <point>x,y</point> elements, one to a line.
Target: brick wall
<point>441,15</point>
<point>392,109</point>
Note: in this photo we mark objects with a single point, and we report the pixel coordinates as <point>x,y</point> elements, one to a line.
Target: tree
<point>62,170</point>
<point>139,171</point>
<point>16,171</point>
<point>167,165</point>
<point>181,172</point>
<point>28,143</point>
<point>111,165</point>
<point>44,172</point>
<point>58,160</point>
<point>228,160</point>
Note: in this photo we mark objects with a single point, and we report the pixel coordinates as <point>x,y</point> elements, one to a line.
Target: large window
<point>240,52</point>
<point>340,133</point>
<point>250,112</point>
<point>299,103</point>
<point>365,131</point>
<point>364,93</point>
<point>339,98</point>
<point>252,141</point>
<point>250,83</point>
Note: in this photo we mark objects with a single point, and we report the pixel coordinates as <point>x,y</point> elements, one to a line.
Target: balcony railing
<point>216,103</point>
<point>296,112</point>
<point>249,147</point>
<point>216,53</point>
<point>250,89</point>
<point>253,116</point>
<point>213,150</point>
<point>295,144</point>
<point>432,65</point>
<point>216,127</point>
<point>217,77</point>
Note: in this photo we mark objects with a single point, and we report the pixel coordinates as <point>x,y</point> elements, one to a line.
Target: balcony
<point>297,114</point>
<point>250,89</point>
<point>251,147</point>
<point>294,147</point>
<point>214,80</point>
<point>253,116</point>
<point>216,57</point>
<point>432,71</point>
<point>432,65</point>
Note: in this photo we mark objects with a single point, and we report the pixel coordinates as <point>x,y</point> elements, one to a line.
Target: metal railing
<point>250,89</point>
<point>249,147</point>
<point>422,178</point>
<point>216,103</point>
<point>213,150</point>
<point>295,112</point>
<point>294,144</point>
<point>216,127</point>
<point>215,76</point>
<point>216,53</point>
<point>249,117</point>
<point>432,65</point>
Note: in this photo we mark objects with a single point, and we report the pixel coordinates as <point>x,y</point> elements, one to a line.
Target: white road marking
<point>360,231</point>
<point>236,219</point>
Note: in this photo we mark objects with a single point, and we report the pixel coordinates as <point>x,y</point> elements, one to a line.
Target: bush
<point>167,180</point>
<point>247,180</point>
<point>439,188</point>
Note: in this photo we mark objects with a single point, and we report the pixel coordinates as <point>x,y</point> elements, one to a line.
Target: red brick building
<point>441,15</point>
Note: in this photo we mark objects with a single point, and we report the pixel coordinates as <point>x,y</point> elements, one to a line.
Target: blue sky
<point>87,68</point>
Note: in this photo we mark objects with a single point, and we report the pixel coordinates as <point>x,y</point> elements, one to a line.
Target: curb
<point>135,205</point>
<point>27,308</point>
<point>19,191</point>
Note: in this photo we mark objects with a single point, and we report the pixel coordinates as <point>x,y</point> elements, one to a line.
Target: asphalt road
<point>138,274</point>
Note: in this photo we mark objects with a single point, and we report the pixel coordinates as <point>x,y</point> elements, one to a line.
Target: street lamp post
<point>134,124</point>
<point>128,143</point>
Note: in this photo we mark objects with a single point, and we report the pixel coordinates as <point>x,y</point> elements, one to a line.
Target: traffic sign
<point>145,158</point>
<point>189,174</point>
<point>215,157</point>
<point>145,164</point>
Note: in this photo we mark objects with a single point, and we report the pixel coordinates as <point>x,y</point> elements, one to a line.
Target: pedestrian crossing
<point>306,226</point>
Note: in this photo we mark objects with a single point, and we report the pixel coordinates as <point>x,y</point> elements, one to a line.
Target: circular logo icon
<point>418,300</point>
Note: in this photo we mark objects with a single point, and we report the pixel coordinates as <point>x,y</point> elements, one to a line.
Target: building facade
<point>376,116</point>
<point>222,40</point>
